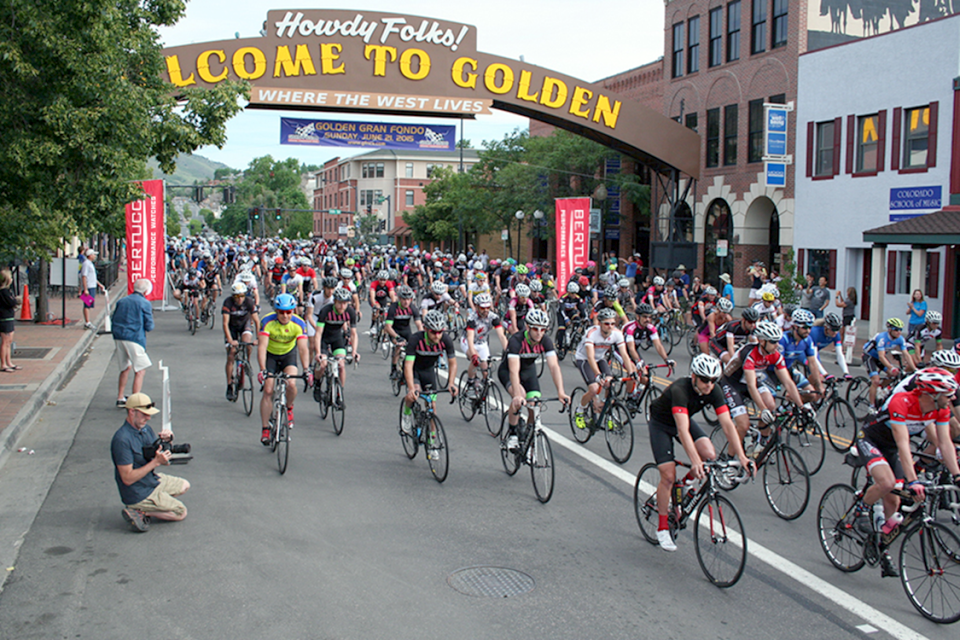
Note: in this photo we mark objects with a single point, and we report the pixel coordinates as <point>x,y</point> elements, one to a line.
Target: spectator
<point>806,294</point>
<point>9,302</point>
<point>848,304</point>
<point>132,319</point>
<point>89,286</point>
<point>820,297</point>
<point>726,290</point>
<point>917,308</point>
<point>758,276</point>
<point>630,273</point>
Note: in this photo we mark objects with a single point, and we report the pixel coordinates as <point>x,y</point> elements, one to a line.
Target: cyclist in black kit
<point>397,324</point>
<point>332,320</point>
<point>424,348</point>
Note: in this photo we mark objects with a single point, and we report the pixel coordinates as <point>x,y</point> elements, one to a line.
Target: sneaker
<point>89,325</point>
<point>665,540</point>
<point>230,392</point>
<point>136,519</point>
<point>887,570</point>
<point>265,437</point>
<point>121,403</point>
<point>513,443</point>
<point>580,418</point>
<point>406,423</point>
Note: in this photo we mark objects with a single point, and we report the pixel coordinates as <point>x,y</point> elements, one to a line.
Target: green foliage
<point>173,223</point>
<point>369,225</point>
<point>196,226</point>
<point>208,217</point>
<point>789,280</point>
<point>82,107</point>
<point>270,185</point>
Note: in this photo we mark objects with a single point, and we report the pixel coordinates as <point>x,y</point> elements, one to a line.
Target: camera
<point>179,451</point>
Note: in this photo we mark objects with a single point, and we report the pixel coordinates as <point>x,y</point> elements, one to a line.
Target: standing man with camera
<point>137,451</point>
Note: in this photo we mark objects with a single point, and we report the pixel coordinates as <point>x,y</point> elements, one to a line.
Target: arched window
<point>718,225</point>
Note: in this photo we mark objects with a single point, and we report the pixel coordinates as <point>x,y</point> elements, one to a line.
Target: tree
<point>83,105</point>
<point>173,223</point>
<point>270,185</point>
<point>208,217</point>
<point>195,227</point>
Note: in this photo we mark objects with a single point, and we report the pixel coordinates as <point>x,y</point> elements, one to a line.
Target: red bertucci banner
<point>146,239</point>
<point>573,237</point>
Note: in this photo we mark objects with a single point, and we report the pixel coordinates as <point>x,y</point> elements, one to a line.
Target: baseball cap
<point>142,403</point>
<point>90,252</point>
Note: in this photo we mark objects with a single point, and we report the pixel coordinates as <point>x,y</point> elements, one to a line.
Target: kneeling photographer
<point>137,452</point>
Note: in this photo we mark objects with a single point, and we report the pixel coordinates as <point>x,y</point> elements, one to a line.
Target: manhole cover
<point>490,582</point>
<point>32,353</point>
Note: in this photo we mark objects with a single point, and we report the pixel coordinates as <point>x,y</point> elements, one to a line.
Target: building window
<point>731,116</point>
<point>755,130</point>
<point>409,172</point>
<point>733,31</point>
<point>904,260</point>
<point>868,138</point>
<point>693,44</point>
<point>780,98</point>
<point>431,168</point>
<point>825,160</point>
<point>715,54</point>
<point>677,68</point>
<point>758,31</point>
<point>779,34</point>
<point>713,137</point>
<point>820,263</point>
<point>916,136</point>
<point>409,196</point>
<point>691,121</point>
<point>379,169</point>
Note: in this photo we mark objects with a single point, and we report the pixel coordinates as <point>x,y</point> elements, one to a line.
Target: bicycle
<point>427,432</point>
<point>328,392</point>
<point>647,395</point>
<point>663,332</point>
<point>190,311</point>
<point>397,380</point>
<point>376,331</point>
<point>718,534</point>
<point>533,449</point>
<point>484,398</point>
<point>279,425</point>
<point>614,420</point>
<point>929,555</point>
<point>243,375</point>
<point>571,336</point>
<point>858,391</point>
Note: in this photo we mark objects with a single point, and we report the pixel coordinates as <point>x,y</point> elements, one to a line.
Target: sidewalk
<point>46,353</point>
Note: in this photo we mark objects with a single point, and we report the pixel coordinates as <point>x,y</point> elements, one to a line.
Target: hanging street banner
<point>380,135</point>
<point>146,239</point>
<point>573,235</point>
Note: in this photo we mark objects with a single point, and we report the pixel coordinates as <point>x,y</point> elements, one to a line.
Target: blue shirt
<point>727,292</point>
<point>795,351</point>
<point>918,313</point>
<point>819,338</point>
<point>132,319</point>
<point>631,271</point>
<point>127,448</point>
<point>883,342</point>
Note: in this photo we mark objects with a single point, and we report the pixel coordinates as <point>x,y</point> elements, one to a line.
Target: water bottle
<point>689,494</point>
<point>892,523</point>
<point>879,519</point>
<point>677,494</point>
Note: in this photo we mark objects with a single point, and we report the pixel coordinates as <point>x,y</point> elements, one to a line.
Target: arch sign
<point>335,60</point>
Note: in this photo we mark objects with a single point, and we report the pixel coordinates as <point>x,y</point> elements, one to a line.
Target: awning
<point>400,231</point>
<point>932,229</point>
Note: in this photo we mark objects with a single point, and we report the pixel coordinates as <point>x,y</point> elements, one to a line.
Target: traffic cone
<point>25,314</point>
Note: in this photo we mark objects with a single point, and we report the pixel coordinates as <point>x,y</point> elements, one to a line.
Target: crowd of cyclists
<point>302,302</point>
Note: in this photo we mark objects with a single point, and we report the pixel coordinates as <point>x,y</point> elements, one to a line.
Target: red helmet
<point>935,381</point>
<point>584,281</point>
<point>278,260</point>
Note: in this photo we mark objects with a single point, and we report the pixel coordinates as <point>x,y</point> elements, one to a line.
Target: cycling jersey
<point>282,337</point>
<point>733,328</point>
<point>820,339</point>
<point>600,344</point>
<point>920,334</point>
<point>239,313</point>
<point>400,317</point>
<point>381,290</point>
<point>796,351</point>
<point>883,342</point>
<point>632,331</point>
<point>681,397</point>
<point>425,353</point>
<point>902,408</point>
<point>652,296</point>
<point>750,357</point>
<point>521,308</point>
<point>615,306</point>
<point>481,326</point>
<point>333,322</point>
<point>431,301</point>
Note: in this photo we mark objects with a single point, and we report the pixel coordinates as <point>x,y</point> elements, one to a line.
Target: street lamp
<point>520,215</point>
<point>538,216</point>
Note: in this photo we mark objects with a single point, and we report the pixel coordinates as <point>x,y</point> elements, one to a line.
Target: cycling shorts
<point>337,345</point>
<point>276,364</point>
<point>237,332</point>
<point>734,393</point>
<point>662,437</point>
<point>426,378</point>
<point>877,455</point>
<point>528,378</point>
<point>588,375</point>
<point>872,365</point>
<point>483,349</point>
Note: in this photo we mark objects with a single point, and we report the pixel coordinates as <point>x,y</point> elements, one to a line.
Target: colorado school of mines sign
<point>370,62</point>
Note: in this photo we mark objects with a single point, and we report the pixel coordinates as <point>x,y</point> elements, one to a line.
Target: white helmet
<point>933,317</point>
<point>247,277</point>
<point>523,291</point>
<point>946,358</point>
<point>536,285</point>
<point>706,366</point>
<point>767,330</point>
<point>658,281</point>
<point>573,287</point>
<point>724,305</point>
<point>438,287</point>
<point>240,289</point>
<point>537,318</point>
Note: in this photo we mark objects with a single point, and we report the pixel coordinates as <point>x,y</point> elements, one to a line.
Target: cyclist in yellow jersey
<point>283,336</point>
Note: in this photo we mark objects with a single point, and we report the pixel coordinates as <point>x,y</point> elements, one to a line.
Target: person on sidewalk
<point>9,302</point>
<point>89,286</point>
<point>132,319</point>
<point>145,493</point>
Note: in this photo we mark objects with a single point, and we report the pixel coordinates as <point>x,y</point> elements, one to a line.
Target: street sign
<point>334,212</point>
<point>505,235</point>
<point>775,130</point>
<point>723,246</point>
<point>775,174</point>
<point>594,220</point>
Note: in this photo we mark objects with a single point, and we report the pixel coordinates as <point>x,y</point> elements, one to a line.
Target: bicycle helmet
<point>623,282</point>
<point>192,272</point>
<point>329,282</point>
<point>832,321</point>
<point>523,291</point>
<point>435,320</point>
<point>240,289</point>
<point>612,267</point>
<point>247,276</point>
<point>480,275</point>
<point>935,381</point>
<point>522,269</point>
<point>438,287</point>
<point>751,315</point>
<point>573,287</point>
<point>788,309</point>
<point>405,292</point>
<point>605,314</point>
<point>342,295</point>
<point>769,331</point>
<point>768,296</point>
<point>644,309</point>
<point>536,286</point>
<point>724,305</point>
<point>383,274</point>
<point>284,302</point>
<point>483,300</point>
<point>659,282</point>
<point>933,317</point>
<point>584,281</point>
<point>537,318</point>
<point>894,323</point>
<point>394,274</point>
<point>346,273</point>
<point>706,366</point>
<point>802,318</point>
<point>305,261</point>
<point>946,358</point>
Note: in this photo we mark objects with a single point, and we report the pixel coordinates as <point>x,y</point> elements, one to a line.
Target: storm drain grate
<point>490,582</point>
<point>32,353</point>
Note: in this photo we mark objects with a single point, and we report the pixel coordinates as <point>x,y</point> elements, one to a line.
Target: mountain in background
<point>190,169</point>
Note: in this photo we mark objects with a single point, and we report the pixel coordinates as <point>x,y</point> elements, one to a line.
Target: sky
<point>589,41</point>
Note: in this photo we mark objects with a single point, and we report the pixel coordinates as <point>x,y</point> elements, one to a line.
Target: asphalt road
<point>357,541</point>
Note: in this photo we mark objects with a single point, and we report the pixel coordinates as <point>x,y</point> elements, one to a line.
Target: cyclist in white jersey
<point>480,324</point>
<point>599,340</point>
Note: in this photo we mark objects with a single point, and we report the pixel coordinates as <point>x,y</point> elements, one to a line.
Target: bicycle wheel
<point>541,467</point>
<point>693,344</point>
<point>283,443</point>
<point>510,459</point>
<point>468,408</point>
<point>409,441</point>
<point>710,415</point>
<point>273,424</point>
<point>653,393</point>
<point>245,384</point>
<point>805,436</point>
<point>786,483</point>
<point>840,423</point>
<point>677,331</point>
<point>930,573</point>
<point>839,537</point>
<point>324,393</point>
<point>720,541</point>
<point>666,339</point>
<point>619,432</point>
<point>493,408</point>
<point>396,383</point>
<point>645,502</point>
<point>193,325</point>
<point>582,433</point>
<point>644,342</point>
<point>337,406</point>
<point>385,349</point>
<point>438,452</point>
<point>858,395</point>
<point>375,337</point>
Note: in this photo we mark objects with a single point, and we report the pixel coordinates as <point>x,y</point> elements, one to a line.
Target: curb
<point>26,415</point>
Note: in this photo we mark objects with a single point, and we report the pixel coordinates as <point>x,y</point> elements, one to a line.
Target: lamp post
<point>538,216</point>
<point>520,215</point>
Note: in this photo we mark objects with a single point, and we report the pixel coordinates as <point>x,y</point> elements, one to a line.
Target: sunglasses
<point>709,380</point>
<point>284,311</point>
<point>536,328</point>
<point>433,331</point>
<point>608,324</point>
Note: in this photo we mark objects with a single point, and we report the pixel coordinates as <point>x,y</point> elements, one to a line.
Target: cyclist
<point>714,317</point>
<point>332,320</point>
<point>211,283</point>
<point>537,296</point>
<point>239,322</point>
<point>876,358</point>
<point>480,324</point>
<point>731,335</point>
<point>768,308</point>
<point>518,372</point>
<point>478,286</point>
<point>921,335</point>
<point>701,308</point>
<point>625,296</point>
<point>885,445</point>
<point>276,272</point>
<point>397,324</point>
<point>590,360</point>
<point>643,327</point>
<point>822,335</point>
<point>438,298</point>
<point>424,348</point>
<point>283,336</point>
<point>191,287</point>
<point>253,289</point>
<point>797,347</point>
<point>570,306</point>
<point>610,301</point>
<point>382,292</point>
<point>670,419</point>
<point>653,295</point>
<point>519,307</point>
